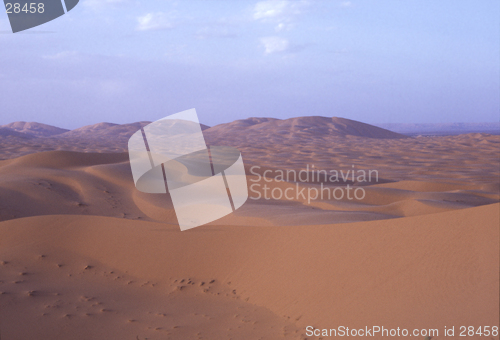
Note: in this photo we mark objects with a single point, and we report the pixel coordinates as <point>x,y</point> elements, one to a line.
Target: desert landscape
<point>85,255</point>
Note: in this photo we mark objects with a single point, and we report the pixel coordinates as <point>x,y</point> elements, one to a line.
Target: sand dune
<point>34,129</point>
<point>312,127</point>
<point>96,277</point>
<point>443,128</point>
<point>122,132</point>
<point>84,255</point>
<point>6,132</point>
<point>103,130</point>
<point>63,182</point>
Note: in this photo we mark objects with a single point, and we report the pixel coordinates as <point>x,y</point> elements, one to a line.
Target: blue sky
<point>123,61</point>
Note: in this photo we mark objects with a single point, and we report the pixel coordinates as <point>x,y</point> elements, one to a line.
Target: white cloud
<point>279,12</point>
<point>269,9</point>
<point>153,21</point>
<point>281,26</point>
<point>345,4</point>
<point>274,44</point>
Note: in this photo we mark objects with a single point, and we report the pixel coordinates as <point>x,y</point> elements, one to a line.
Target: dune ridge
<point>314,125</point>
<point>64,182</point>
<point>34,129</point>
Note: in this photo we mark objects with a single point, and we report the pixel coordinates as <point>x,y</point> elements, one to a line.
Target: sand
<point>83,255</point>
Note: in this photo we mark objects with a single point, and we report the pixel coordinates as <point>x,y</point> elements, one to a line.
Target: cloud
<point>280,27</point>
<point>345,4</point>
<point>279,12</point>
<point>269,9</point>
<point>153,21</point>
<point>274,44</point>
<point>65,55</point>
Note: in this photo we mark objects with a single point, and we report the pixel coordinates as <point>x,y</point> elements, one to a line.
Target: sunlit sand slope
<point>84,277</point>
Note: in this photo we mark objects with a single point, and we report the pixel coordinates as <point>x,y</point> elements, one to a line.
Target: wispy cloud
<point>64,55</point>
<point>270,9</point>
<point>279,12</point>
<point>345,4</point>
<point>282,14</point>
<point>154,21</point>
<point>274,44</point>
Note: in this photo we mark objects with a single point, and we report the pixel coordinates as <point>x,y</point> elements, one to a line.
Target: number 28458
<point>32,8</point>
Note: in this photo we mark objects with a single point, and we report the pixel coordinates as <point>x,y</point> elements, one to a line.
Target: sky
<point>387,61</point>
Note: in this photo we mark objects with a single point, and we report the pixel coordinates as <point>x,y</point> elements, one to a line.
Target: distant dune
<point>293,127</point>
<point>105,130</point>
<point>310,125</point>
<point>302,127</point>
<point>35,129</point>
<point>443,128</point>
<point>6,132</point>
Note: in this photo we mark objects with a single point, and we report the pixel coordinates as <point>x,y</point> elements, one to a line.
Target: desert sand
<point>84,255</point>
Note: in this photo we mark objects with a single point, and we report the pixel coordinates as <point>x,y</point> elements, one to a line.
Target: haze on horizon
<point>123,61</point>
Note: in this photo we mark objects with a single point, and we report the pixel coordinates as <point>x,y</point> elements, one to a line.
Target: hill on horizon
<point>257,127</point>
<point>442,128</point>
<point>311,125</point>
<point>333,126</point>
<point>103,130</point>
<point>6,132</point>
<point>34,129</point>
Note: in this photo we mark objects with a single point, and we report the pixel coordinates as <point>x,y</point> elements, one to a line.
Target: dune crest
<point>35,129</point>
<point>314,126</point>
